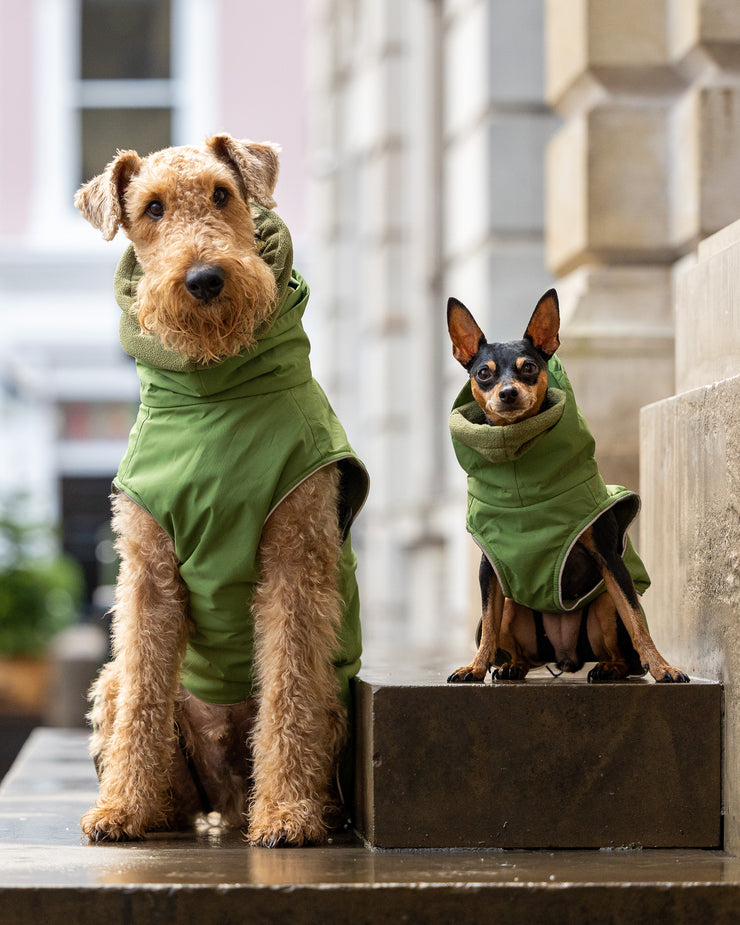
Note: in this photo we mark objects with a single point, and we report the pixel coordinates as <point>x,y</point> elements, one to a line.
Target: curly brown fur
<point>134,696</point>
<point>301,722</point>
<point>184,208</point>
<point>193,229</point>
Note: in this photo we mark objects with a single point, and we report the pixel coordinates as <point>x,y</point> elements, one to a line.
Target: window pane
<point>125,39</point>
<point>105,130</point>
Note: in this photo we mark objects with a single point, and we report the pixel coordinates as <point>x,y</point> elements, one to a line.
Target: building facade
<point>79,79</point>
<point>484,149</point>
<point>428,133</point>
<point>477,148</point>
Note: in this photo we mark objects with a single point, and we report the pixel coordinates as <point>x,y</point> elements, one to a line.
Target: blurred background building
<point>481,148</point>
<point>79,79</point>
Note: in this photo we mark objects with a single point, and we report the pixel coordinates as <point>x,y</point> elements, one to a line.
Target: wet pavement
<point>48,874</point>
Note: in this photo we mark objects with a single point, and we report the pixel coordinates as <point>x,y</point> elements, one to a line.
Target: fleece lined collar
<point>275,248</point>
<point>507,443</point>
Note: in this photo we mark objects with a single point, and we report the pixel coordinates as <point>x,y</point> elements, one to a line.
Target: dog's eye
<point>220,197</point>
<point>484,374</point>
<point>155,209</point>
<point>529,368</point>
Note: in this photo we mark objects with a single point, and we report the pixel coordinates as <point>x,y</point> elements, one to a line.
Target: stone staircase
<point>555,768</point>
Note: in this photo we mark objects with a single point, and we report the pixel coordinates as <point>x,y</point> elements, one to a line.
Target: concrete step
<point>48,875</point>
<point>543,763</point>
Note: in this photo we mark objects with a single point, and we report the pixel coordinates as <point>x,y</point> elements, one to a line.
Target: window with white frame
<point>126,90</point>
<point>115,74</point>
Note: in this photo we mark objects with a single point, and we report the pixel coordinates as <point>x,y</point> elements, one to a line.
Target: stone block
<point>706,180</point>
<point>705,28</point>
<point>620,45</point>
<point>617,346</point>
<point>466,198</point>
<point>690,476</point>
<point>47,875</point>
<point>606,190</point>
<point>466,85</point>
<point>546,764</point>
<point>708,312</point>
<point>515,60</point>
<point>515,173</point>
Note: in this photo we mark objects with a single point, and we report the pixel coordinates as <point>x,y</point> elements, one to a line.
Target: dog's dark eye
<point>529,368</point>
<point>155,209</point>
<point>484,374</point>
<point>220,197</point>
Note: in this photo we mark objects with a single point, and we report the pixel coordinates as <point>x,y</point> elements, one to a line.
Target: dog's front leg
<point>301,722</point>
<point>134,740</point>
<point>600,541</point>
<point>492,600</point>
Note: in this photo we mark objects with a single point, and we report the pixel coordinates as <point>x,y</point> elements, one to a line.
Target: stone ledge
<point>48,875</point>
<point>539,764</point>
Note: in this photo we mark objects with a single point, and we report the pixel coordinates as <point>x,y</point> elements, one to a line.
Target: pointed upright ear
<point>544,324</point>
<point>257,165</point>
<point>101,199</point>
<point>467,338</point>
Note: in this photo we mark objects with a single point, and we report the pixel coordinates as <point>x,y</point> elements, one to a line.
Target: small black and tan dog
<point>558,576</point>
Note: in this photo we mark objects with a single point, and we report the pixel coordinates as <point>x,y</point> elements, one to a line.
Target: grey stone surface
<point>544,763</point>
<point>48,875</point>
<point>690,473</point>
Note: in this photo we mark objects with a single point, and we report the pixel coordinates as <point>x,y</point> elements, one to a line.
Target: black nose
<point>508,395</point>
<point>204,281</point>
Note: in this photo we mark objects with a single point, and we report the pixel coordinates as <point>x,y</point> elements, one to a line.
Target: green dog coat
<point>214,450</point>
<point>533,488</point>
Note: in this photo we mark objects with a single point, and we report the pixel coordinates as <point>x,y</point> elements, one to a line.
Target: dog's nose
<point>204,281</point>
<point>508,395</point>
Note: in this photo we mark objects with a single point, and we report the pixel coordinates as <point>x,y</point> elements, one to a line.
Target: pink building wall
<point>262,89</point>
<point>16,116</point>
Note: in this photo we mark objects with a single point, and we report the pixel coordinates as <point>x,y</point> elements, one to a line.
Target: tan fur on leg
<point>604,641</point>
<point>136,740</point>
<point>103,696</point>
<point>301,721</point>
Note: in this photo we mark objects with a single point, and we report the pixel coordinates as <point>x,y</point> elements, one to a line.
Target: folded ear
<point>101,199</point>
<point>544,324</point>
<point>467,338</point>
<point>256,164</point>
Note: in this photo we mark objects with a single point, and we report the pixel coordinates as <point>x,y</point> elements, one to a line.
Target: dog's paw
<point>287,825</point>
<point>466,675</point>
<point>608,671</point>
<point>105,822</point>
<point>667,675</point>
<point>509,672</point>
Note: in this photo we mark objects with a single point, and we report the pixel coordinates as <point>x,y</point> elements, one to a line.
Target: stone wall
<point>690,477</point>
<point>644,166</point>
<point>438,168</point>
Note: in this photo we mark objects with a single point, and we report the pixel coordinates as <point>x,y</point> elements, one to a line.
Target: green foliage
<point>39,594</point>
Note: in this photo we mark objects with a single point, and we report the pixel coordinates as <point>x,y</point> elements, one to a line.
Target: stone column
<point>690,443</point>
<point>690,473</point>
<point>608,212</point>
<point>643,168</point>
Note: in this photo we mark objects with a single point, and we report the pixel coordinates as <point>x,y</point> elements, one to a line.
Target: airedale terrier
<point>236,624</point>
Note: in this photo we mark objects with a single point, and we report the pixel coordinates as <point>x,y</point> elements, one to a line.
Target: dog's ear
<point>256,164</point>
<point>544,324</point>
<point>467,338</point>
<point>101,199</point>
